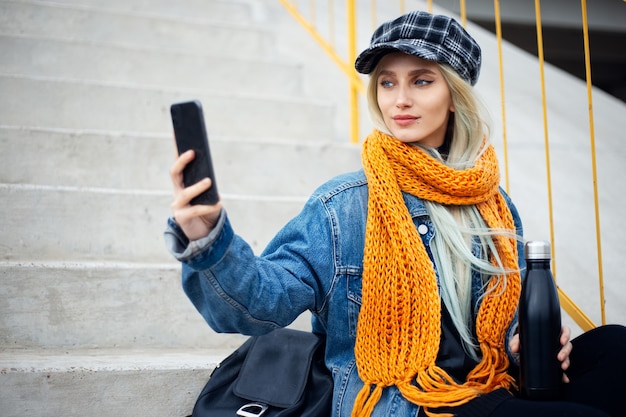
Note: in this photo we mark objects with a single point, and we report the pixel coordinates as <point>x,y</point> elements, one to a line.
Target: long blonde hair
<point>457,228</point>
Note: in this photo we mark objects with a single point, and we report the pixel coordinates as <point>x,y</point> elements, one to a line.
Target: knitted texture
<point>399,325</point>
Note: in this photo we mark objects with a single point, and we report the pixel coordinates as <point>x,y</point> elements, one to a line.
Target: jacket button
<point>422,229</point>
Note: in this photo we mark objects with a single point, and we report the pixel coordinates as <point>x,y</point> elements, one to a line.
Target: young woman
<point>411,266</point>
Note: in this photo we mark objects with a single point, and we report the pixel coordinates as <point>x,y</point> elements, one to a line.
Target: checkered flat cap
<point>428,36</point>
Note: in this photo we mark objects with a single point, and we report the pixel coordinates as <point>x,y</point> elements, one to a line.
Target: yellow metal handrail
<point>356,84</point>
<point>593,156</point>
<point>345,66</point>
<point>357,87</point>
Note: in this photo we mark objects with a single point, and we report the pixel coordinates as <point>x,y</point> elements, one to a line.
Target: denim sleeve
<point>238,292</point>
<point>182,248</point>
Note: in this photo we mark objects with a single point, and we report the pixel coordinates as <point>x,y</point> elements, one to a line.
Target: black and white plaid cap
<point>428,36</point>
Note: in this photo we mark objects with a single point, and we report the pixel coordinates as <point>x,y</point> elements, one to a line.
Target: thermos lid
<point>537,249</point>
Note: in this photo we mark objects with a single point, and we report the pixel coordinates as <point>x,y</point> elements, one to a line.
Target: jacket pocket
<point>354,302</point>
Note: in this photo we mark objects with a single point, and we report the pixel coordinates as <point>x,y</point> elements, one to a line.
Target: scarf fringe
<point>366,400</point>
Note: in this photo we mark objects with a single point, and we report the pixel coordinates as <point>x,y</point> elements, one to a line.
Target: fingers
<point>567,347</point>
<point>187,214</point>
<point>566,333</point>
<point>566,350</point>
<point>565,378</point>
<point>183,196</point>
<point>176,170</point>
<point>563,355</point>
<point>514,343</point>
<point>195,220</point>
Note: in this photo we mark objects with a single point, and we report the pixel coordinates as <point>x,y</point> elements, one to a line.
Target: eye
<point>421,81</point>
<point>386,84</point>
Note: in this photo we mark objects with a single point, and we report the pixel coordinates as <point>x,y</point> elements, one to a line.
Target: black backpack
<point>281,373</point>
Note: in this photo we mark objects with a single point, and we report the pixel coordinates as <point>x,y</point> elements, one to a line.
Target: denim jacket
<point>314,263</point>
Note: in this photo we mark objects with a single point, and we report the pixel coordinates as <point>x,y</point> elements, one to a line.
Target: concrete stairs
<point>93,320</point>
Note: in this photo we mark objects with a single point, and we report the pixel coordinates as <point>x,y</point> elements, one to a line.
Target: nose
<point>403,99</point>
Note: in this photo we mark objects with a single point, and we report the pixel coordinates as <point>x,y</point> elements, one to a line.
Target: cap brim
<point>369,58</point>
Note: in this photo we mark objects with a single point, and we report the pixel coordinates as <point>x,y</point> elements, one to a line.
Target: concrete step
<point>217,37</point>
<point>75,104</point>
<point>103,305</point>
<point>231,10</point>
<point>68,305</point>
<point>41,57</point>
<point>120,383</point>
<point>261,168</point>
<point>79,224</point>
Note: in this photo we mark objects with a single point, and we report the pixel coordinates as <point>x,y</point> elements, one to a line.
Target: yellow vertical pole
<point>496,5</point>
<point>354,93</point>
<point>373,13</point>
<point>593,156</point>
<point>331,22</point>
<point>545,126</point>
<point>463,14</point>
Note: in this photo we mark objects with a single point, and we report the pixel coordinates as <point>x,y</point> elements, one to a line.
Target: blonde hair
<point>457,227</point>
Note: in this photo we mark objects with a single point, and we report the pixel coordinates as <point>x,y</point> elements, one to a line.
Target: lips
<point>404,119</point>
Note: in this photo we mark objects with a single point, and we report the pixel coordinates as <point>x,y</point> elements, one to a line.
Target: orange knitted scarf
<point>398,331</point>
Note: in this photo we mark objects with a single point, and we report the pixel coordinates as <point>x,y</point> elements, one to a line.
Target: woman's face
<point>414,99</point>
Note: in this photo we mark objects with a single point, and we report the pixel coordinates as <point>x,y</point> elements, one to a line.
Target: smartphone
<point>190,133</point>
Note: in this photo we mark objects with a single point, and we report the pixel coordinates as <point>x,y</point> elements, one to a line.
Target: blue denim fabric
<point>314,263</point>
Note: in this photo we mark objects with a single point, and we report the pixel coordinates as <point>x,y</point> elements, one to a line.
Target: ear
<point>451,108</point>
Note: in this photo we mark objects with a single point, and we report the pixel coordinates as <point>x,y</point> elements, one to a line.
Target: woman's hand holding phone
<point>198,220</point>
<point>196,203</point>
